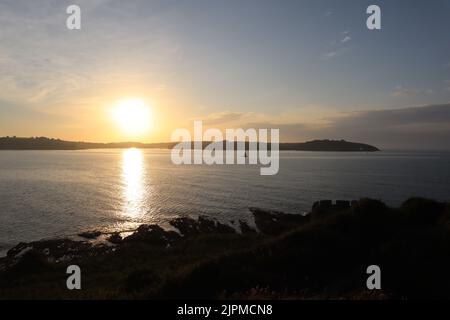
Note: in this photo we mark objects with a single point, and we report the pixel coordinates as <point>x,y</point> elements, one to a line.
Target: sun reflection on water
<point>133,180</point>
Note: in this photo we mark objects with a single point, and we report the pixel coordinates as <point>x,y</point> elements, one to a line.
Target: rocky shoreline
<point>64,250</point>
<point>285,256</point>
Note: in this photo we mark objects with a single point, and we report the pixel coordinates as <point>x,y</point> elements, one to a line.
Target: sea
<point>49,194</point>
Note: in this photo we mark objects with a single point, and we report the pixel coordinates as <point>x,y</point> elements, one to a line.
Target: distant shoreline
<point>43,143</point>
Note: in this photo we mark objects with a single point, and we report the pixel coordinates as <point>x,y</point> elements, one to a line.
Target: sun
<point>133,116</point>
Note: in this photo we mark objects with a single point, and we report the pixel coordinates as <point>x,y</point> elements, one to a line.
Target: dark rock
<point>54,251</point>
<point>32,261</point>
<point>186,226</point>
<point>17,249</point>
<point>325,208</point>
<point>275,222</point>
<point>216,226</point>
<point>189,227</point>
<point>245,228</point>
<point>153,234</point>
<point>321,208</point>
<point>205,225</point>
<point>115,238</point>
<point>90,234</point>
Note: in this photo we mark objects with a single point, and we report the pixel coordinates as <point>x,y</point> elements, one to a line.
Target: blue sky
<point>306,66</point>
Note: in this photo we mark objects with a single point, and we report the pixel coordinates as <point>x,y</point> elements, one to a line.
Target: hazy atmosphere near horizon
<point>310,68</point>
<point>253,150</point>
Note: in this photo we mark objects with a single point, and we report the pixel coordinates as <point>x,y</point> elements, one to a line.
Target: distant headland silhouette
<point>43,143</point>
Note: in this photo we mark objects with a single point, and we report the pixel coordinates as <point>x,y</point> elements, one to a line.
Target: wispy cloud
<point>346,39</point>
<point>339,46</point>
<point>333,54</point>
<point>330,55</point>
<point>221,118</point>
<point>400,91</point>
<point>51,64</point>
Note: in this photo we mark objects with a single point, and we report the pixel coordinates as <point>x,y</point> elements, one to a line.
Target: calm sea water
<point>59,193</point>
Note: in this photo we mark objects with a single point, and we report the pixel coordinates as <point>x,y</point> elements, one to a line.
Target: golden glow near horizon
<point>133,116</point>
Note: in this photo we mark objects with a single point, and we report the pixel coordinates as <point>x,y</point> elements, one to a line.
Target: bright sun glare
<point>133,116</point>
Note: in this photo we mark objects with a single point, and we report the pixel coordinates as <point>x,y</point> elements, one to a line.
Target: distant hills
<point>43,143</point>
<point>328,145</point>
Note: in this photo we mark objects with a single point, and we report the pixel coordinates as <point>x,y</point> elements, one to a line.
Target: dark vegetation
<point>323,255</point>
<point>42,143</point>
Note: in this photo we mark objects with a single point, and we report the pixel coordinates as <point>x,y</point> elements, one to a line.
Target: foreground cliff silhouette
<point>43,143</point>
<point>323,255</point>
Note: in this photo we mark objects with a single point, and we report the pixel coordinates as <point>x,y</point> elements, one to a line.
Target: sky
<point>310,68</point>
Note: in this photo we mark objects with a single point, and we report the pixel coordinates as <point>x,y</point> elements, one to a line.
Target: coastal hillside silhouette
<point>43,143</point>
